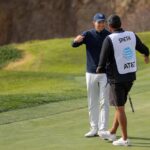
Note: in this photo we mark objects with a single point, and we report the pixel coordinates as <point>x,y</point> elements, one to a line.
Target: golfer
<point>118,60</point>
<point>98,103</point>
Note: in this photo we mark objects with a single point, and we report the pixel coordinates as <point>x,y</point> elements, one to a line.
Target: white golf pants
<point>98,103</point>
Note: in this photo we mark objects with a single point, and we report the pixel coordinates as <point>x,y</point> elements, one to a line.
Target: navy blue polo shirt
<point>93,41</point>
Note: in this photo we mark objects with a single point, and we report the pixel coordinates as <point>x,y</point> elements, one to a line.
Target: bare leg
<point>121,116</point>
<point>115,125</point>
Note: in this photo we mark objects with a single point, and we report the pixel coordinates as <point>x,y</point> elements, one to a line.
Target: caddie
<point>118,60</point>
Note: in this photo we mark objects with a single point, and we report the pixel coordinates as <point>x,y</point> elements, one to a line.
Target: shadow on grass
<point>140,142</point>
<point>140,138</point>
<point>144,142</point>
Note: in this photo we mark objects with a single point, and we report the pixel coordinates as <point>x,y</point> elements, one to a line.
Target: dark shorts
<point>119,92</point>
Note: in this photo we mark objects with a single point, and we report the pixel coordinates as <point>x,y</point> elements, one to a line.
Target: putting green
<point>63,129</point>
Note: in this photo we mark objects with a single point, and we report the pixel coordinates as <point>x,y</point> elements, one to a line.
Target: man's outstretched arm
<point>143,49</point>
<point>79,40</point>
<point>105,52</point>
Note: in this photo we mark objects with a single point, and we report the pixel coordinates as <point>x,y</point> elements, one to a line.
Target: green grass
<point>63,128</point>
<point>9,54</point>
<point>54,72</point>
<point>43,100</point>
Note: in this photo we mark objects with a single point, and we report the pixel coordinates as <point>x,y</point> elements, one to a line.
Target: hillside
<point>23,20</point>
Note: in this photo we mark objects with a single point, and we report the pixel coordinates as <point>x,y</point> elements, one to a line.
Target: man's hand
<point>79,39</point>
<point>98,70</point>
<point>146,59</point>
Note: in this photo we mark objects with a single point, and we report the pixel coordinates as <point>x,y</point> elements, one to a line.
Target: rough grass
<point>9,54</point>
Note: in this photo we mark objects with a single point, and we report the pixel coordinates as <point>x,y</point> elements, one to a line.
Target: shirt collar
<point>118,30</point>
<point>100,31</point>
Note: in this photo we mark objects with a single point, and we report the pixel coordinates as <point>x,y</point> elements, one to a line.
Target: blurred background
<point>23,20</point>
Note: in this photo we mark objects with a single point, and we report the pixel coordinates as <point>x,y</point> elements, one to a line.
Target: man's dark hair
<point>114,21</point>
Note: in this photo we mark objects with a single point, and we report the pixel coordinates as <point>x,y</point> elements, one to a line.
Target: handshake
<point>98,70</point>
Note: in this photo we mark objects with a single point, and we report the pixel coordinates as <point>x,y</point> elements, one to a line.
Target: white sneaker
<point>106,135</point>
<point>91,133</point>
<point>121,142</point>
